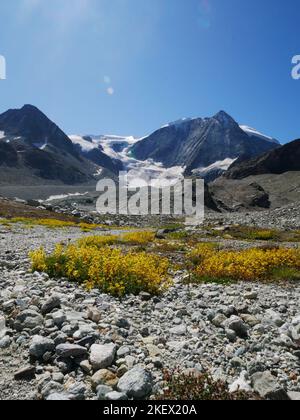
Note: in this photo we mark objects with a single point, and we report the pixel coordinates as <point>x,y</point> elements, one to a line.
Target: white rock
<point>241,384</point>
<point>102,356</point>
<point>2,327</point>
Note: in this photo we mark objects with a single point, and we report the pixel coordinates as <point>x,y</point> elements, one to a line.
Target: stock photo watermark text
<point>296,68</point>
<point>138,197</point>
<point>2,67</point>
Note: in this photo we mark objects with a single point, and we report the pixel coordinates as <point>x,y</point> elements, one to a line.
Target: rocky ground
<point>59,341</point>
<point>286,217</point>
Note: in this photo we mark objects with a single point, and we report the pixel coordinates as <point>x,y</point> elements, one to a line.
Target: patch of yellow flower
<point>252,264</point>
<point>92,262</point>
<point>138,238</point>
<point>50,223</point>
<point>98,241</point>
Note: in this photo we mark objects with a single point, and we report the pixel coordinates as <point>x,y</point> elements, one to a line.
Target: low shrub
<point>99,266</point>
<point>199,387</point>
<point>98,241</point>
<point>263,235</point>
<point>251,264</point>
<point>138,238</point>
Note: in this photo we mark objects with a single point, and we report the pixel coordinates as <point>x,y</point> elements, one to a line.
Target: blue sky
<point>129,66</point>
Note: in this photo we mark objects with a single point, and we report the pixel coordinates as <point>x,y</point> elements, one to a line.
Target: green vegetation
<point>199,387</point>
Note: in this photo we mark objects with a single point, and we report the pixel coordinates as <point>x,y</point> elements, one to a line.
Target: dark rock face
<point>199,143</point>
<point>259,198</point>
<point>8,154</point>
<point>279,161</point>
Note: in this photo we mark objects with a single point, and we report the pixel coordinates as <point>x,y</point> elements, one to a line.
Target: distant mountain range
<point>34,150</point>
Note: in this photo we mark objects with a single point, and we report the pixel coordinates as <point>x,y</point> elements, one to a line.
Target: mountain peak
<point>223,117</point>
<point>34,127</point>
<point>30,108</point>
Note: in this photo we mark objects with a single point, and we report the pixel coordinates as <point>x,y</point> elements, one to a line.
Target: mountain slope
<point>196,144</point>
<point>35,129</point>
<point>278,161</point>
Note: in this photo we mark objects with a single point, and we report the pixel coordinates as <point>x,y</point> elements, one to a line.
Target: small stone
<point>94,315</point>
<point>273,318</point>
<point>157,363</point>
<point>51,388</point>
<point>2,327</point>
<point>145,297</point>
<point>104,377</point>
<point>255,367</point>
<point>295,334</point>
<point>294,396</point>
<point>25,374</point>
<point>116,396</point>
<point>78,391</point>
<point>102,356</point>
<point>251,295</point>
<point>70,350</point>
<point>235,324</point>
<point>59,318</point>
<point>59,397</point>
<point>5,342</point>
<point>52,303</point>
<point>236,362</point>
<point>122,370</point>
<point>231,335</point>
<point>145,332</point>
<point>86,366</point>
<point>266,385</point>
<point>83,332</point>
<point>250,320</point>
<point>179,330</point>
<point>122,323</point>
<point>218,320</point>
<point>153,351</point>
<point>40,345</point>
<point>137,383</point>
<point>130,361</point>
<point>28,319</point>
<point>102,391</point>
<point>160,234</point>
<point>123,351</point>
<point>241,384</point>
<point>58,377</point>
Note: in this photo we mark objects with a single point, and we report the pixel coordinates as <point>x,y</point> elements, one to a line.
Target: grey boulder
<point>66,351</point>
<point>40,345</point>
<point>137,383</point>
<point>266,385</point>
